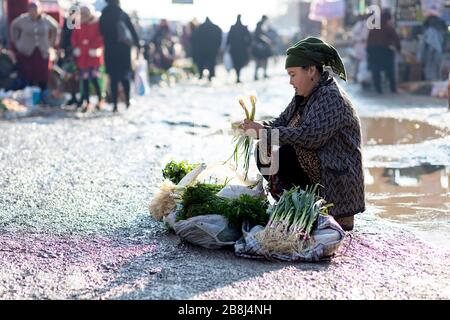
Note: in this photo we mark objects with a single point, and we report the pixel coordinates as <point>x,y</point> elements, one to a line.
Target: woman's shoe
<point>79,104</point>
<point>129,102</point>
<point>72,101</point>
<point>86,108</point>
<point>100,105</point>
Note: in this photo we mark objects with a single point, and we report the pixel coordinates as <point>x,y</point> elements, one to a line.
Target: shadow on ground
<point>178,270</point>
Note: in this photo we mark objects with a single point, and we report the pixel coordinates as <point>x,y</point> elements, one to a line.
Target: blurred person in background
<point>119,36</point>
<point>432,46</point>
<point>206,42</point>
<point>33,34</point>
<point>382,45</point>
<point>186,37</point>
<point>261,47</point>
<point>277,43</point>
<point>66,60</point>
<point>239,42</point>
<point>163,53</point>
<point>360,33</point>
<point>87,46</point>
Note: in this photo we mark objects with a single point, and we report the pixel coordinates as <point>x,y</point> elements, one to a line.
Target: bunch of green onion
<point>292,220</point>
<point>243,143</point>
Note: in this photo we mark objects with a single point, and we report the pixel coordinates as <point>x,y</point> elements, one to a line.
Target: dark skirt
<point>240,57</point>
<point>34,69</point>
<point>290,173</point>
<point>118,60</point>
<point>380,58</point>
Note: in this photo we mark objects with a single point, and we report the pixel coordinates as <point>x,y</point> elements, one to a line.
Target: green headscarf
<point>314,52</point>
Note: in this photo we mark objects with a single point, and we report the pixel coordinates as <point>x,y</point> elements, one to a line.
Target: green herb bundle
<point>175,171</point>
<point>201,199</point>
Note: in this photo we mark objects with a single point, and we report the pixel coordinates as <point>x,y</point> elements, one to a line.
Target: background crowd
<point>97,53</point>
<point>103,54</point>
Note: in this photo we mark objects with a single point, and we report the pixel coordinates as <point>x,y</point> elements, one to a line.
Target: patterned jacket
<point>329,126</point>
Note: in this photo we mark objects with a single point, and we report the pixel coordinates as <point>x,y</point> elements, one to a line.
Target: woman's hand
<point>95,53</point>
<point>76,52</point>
<point>251,128</point>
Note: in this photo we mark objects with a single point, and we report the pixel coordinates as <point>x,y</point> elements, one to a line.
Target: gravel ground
<point>74,222</point>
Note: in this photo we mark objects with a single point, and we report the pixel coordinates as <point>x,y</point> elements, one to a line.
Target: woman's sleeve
<point>319,125</point>
<point>397,40</point>
<point>283,118</point>
<point>133,31</point>
<point>102,25</point>
<point>15,30</point>
<point>54,31</point>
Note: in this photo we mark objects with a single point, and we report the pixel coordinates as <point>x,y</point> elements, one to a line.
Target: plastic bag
<point>208,231</point>
<point>235,191</point>
<point>141,77</point>
<point>192,176</point>
<point>221,173</point>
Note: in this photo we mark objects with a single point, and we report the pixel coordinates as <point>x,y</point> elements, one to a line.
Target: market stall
<point>409,20</point>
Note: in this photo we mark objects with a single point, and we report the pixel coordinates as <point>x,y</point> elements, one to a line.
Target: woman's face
<point>34,11</point>
<point>85,14</point>
<point>300,79</point>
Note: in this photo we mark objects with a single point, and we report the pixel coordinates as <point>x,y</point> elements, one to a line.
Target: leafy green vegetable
<point>175,171</point>
<point>247,208</point>
<point>201,199</point>
<point>196,199</point>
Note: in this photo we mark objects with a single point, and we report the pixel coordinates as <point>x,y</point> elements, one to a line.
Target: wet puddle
<point>390,131</point>
<point>417,197</point>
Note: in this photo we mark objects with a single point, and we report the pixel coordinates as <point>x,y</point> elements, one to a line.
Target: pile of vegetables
<point>169,194</point>
<point>287,230</point>
<point>243,144</point>
<point>201,199</point>
<point>175,171</point>
<point>292,220</point>
<point>11,105</point>
<point>198,199</point>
